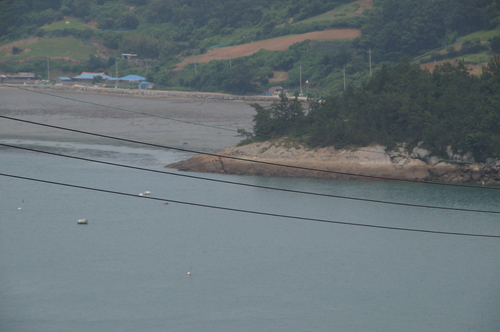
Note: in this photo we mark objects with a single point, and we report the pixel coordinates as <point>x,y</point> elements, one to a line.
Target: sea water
<point>127,270</point>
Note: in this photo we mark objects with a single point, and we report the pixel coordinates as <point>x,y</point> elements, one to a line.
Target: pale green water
<point>127,269</point>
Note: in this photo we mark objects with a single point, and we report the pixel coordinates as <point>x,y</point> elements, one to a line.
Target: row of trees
<point>402,103</point>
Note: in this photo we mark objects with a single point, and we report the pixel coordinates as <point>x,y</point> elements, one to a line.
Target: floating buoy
<point>82,221</point>
<point>19,208</point>
<point>189,273</point>
<point>141,194</point>
<point>165,203</point>
<point>147,193</point>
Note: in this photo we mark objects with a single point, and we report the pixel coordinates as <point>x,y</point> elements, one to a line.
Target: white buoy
<point>147,193</point>
<point>82,221</point>
<point>141,194</point>
<point>189,273</point>
<point>19,208</point>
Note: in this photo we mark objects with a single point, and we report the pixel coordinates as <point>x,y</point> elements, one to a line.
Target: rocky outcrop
<point>267,158</point>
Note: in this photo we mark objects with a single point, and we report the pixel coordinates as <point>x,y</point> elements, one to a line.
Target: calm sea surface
<point>127,269</point>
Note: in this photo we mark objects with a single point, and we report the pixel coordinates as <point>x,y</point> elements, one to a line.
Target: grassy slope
<point>65,47</point>
<point>73,23</point>
<point>476,60</point>
<point>71,48</point>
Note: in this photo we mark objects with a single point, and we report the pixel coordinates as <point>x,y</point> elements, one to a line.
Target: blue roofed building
<point>87,77</point>
<point>64,81</point>
<point>132,78</point>
<point>125,81</point>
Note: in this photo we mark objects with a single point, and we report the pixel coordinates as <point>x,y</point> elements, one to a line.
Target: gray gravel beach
<point>168,126</point>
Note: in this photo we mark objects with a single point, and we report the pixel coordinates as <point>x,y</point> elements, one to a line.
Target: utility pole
<point>195,71</point>
<point>300,78</point>
<point>370,56</point>
<point>343,70</point>
<point>48,70</point>
<point>116,74</point>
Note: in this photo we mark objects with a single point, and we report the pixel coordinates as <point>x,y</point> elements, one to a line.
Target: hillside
<point>275,44</point>
<point>170,36</point>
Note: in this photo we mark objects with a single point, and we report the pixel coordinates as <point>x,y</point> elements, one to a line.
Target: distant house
<point>87,77</point>
<point>19,78</point>
<point>129,56</point>
<point>64,80</point>
<point>145,85</point>
<point>131,79</point>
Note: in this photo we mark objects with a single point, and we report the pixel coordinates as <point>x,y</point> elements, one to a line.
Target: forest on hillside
<point>165,31</point>
<point>400,104</point>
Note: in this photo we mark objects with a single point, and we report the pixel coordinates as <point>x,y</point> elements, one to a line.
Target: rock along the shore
<point>371,162</point>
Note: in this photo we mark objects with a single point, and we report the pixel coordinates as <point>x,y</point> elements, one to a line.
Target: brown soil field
<point>275,44</point>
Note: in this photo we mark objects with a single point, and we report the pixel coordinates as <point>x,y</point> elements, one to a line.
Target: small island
<point>405,123</point>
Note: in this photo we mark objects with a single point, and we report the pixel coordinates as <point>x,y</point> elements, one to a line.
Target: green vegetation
<point>166,31</point>
<point>57,47</point>
<point>333,15</point>
<point>400,104</point>
<point>73,23</point>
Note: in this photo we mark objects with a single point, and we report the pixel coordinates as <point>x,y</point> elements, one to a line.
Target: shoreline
<point>211,109</point>
<point>162,94</point>
<point>329,163</point>
<point>202,125</point>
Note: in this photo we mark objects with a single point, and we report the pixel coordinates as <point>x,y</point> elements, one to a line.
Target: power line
<point>246,160</point>
<point>221,128</point>
<point>120,109</point>
<point>250,185</point>
<point>254,212</point>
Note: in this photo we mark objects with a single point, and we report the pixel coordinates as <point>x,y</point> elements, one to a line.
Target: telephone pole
<point>343,70</point>
<point>300,78</point>
<point>48,70</point>
<point>116,73</point>
<point>370,56</point>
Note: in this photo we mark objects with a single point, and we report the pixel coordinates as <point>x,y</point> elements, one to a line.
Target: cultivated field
<point>275,44</point>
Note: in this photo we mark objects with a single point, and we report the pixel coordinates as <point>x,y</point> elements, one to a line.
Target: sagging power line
<point>254,212</point>
<point>217,127</point>
<point>248,185</point>
<point>246,160</point>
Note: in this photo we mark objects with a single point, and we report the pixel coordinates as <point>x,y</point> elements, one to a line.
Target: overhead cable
<point>249,160</point>
<point>121,109</point>
<point>249,185</point>
<point>222,128</point>
<point>255,212</point>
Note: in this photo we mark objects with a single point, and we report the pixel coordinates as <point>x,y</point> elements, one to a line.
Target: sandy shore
<point>181,122</point>
<point>210,126</point>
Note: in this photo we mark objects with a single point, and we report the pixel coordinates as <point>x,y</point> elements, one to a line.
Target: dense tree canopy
<point>408,27</point>
<point>403,104</point>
